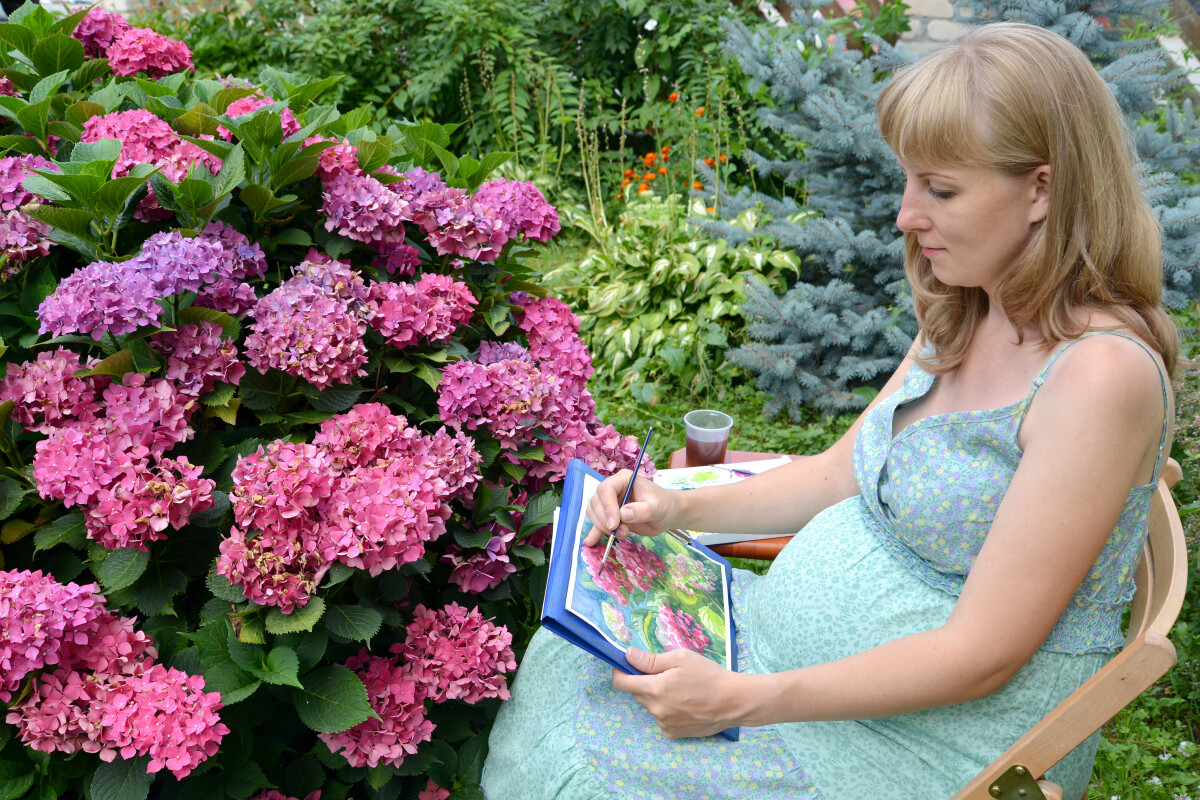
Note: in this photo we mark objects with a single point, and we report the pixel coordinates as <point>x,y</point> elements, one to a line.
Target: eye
<point>939,195</point>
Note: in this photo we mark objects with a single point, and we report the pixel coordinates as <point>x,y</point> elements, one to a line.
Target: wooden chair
<point>1161,579</point>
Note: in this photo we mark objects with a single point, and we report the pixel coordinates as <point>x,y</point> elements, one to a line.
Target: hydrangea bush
<point>282,416</point>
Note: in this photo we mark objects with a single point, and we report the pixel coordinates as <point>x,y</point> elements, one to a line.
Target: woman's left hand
<point>688,694</point>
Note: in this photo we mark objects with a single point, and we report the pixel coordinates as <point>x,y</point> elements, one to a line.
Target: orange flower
<point>709,161</point>
<point>700,111</point>
<point>724,157</point>
<point>650,176</point>
<point>711,210</point>
<point>643,187</point>
<point>662,170</point>
<point>666,148</point>
<point>697,185</point>
<point>628,173</point>
<point>672,97</point>
<point>625,183</point>
<point>650,158</point>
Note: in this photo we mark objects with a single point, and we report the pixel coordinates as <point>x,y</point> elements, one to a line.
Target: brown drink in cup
<point>707,436</point>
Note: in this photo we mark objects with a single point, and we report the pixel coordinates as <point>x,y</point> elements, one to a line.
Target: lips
<point>930,252</point>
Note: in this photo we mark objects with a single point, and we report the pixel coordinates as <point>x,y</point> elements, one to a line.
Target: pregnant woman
<point>967,548</point>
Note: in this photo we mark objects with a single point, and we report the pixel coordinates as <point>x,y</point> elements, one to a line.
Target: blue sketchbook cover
<point>656,593</point>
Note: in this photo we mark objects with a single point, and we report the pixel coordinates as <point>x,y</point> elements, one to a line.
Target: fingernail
<point>634,655</point>
<point>612,523</point>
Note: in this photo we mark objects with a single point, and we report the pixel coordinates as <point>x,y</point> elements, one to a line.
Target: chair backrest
<point>1161,576</point>
<point>1161,580</point>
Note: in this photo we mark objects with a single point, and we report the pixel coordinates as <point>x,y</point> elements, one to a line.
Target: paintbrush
<point>612,537</point>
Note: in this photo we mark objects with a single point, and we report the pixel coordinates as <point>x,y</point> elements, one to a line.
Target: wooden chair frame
<point>1161,580</point>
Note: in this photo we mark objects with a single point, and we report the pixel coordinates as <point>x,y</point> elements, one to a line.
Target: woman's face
<point>972,222</point>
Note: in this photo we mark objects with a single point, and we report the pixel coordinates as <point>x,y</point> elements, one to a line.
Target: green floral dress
<point>884,564</point>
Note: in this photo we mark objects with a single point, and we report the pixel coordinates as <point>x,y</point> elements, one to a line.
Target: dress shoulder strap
<point>1041,378</point>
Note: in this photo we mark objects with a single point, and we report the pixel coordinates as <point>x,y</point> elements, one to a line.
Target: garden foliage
<point>848,321</point>
<point>659,303</point>
<point>282,413</point>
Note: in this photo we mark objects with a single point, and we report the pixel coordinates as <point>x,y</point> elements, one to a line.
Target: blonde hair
<point>1013,97</point>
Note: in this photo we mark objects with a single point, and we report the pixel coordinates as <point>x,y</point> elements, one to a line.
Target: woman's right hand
<point>650,510</point>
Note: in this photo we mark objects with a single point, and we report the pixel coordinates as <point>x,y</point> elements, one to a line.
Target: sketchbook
<point>656,593</point>
<point>698,477</point>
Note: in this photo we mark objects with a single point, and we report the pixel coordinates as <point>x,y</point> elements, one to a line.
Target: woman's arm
<point>779,501</point>
<point>1092,435</point>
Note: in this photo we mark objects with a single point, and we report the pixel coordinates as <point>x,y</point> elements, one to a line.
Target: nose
<point>912,216</point>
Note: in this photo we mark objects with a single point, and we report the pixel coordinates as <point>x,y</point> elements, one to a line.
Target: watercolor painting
<point>656,593</point>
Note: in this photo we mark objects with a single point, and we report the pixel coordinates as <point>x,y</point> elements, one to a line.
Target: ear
<point>1039,185</point>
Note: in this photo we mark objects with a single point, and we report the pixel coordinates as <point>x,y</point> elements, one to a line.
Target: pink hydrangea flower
<point>146,139</point>
<point>198,357</point>
<point>139,505</point>
<point>112,648</point>
<point>457,462</point>
<point>433,792</point>
<point>275,568</point>
<point>9,88</point>
<point>38,617</point>
<point>250,104</point>
<point>143,50</point>
<point>398,258</point>
<point>342,157</point>
<point>22,239</point>
<point>99,30</point>
<point>399,702</point>
<point>479,570</point>
<point>13,172</point>
<point>428,311</point>
<point>677,629</point>
<point>280,483</point>
<point>457,225</point>
<point>46,395</point>
<point>361,208</point>
<point>521,208</point>
<point>457,654</point>
<point>504,397</point>
<point>300,330</point>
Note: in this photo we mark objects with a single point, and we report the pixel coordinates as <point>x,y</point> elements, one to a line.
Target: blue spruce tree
<point>849,319</point>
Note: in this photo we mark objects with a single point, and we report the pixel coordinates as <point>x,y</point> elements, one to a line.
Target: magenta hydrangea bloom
<point>457,460</point>
<point>478,570</point>
<point>13,172</point>
<point>398,258</point>
<point>457,225</point>
<point>250,104</point>
<point>280,484</point>
<point>38,617</point>
<point>9,88</point>
<point>428,311</point>
<point>677,629</point>
<point>113,647</point>
<point>433,792</point>
<point>276,568</point>
<point>302,331</point>
<point>361,208</point>
<point>458,654</point>
<point>143,50</point>
<point>521,208</point>
<point>99,30</point>
<point>504,397</point>
<point>399,702</point>
<point>138,506</point>
<point>46,395</point>
<point>146,139</point>
<point>364,435</point>
<point>22,239</point>
<point>342,157</point>
<point>198,358</point>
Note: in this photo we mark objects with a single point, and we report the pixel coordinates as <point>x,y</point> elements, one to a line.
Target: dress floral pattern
<point>883,564</point>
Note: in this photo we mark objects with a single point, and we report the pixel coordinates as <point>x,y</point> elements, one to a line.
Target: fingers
<point>604,508</point>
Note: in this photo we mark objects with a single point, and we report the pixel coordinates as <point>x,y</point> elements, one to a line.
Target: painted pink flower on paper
<point>679,630</point>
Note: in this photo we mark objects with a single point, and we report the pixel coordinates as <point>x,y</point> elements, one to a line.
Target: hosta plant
<point>281,419</point>
<point>660,299</point>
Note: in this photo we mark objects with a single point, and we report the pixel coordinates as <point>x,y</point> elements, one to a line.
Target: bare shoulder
<point>1108,380</point>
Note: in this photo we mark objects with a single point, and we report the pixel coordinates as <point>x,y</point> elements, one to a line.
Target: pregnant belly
<point>835,591</point>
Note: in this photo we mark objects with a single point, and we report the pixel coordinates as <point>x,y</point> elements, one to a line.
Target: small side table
<point>763,549</point>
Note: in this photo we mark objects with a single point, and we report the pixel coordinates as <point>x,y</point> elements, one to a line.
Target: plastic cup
<point>707,436</point>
